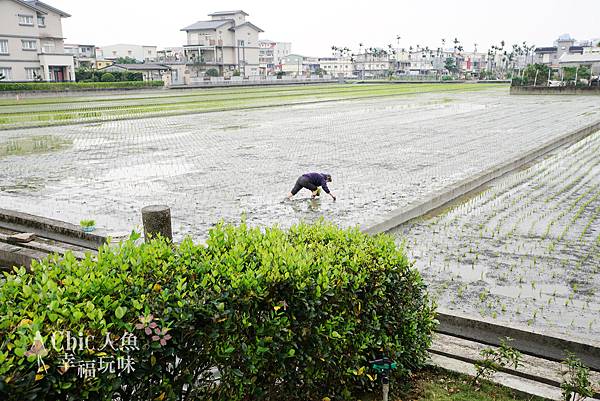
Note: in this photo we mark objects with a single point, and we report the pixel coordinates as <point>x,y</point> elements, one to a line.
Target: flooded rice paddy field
<point>526,250</point>
<point>383,153</point>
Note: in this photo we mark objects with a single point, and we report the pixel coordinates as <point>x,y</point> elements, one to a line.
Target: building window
<point>41,21</point>
<point>48,46</point>
<point>29,44</point>
<point>6,73</point>
<point>32,73</point>
<point>26,20</point>
<point>3,46</point>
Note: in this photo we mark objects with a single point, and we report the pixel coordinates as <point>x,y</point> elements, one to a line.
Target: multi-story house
<point>373,64</point>
<point>226,43</point>
<point>83,55</point>
<point>271,55</point>
<point>294,65</point>
<point>551,54</point>
<point>32,43</point>
<point>337,66</point>
<point>140,53</point>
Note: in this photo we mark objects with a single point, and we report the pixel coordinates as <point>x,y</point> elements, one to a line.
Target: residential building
<point>337,66</point>
<point>590,59</point>
<point>83,55</point>
<point>293,64</point>
<point>140,53</point>
<point>169,54</point>
<point>472,63</point>
<point>564,45</point>
<point>32,43</point>
<point>102,63</point>
<point>373,64</point>
<point>271,54</point>
<point>174,58</point>
<point>227,43</point>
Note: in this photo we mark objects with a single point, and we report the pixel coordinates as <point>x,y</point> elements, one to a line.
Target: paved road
<point>382,153</point>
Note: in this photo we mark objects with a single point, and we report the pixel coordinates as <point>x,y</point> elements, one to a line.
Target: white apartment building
<point>141,53</point>
<point>371,64</point>
<point>83,55</point>
<point>337,66</point>
<point>227,43</point>
<point>32,43</point>
<point>271,55</point>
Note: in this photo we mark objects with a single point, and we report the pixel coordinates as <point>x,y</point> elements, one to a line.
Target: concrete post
<point>157,220</point>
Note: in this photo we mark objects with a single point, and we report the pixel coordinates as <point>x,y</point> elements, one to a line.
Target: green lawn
<point>30,112</point>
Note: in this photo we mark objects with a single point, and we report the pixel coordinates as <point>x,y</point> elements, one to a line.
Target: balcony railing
<point>208,42</point>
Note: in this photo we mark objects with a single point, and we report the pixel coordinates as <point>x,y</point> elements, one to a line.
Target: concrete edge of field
<point>548,346</point>
<point>51,228</point>
<point>457,190</point>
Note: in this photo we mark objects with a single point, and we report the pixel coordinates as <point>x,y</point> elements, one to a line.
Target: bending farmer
<point>312,182</point>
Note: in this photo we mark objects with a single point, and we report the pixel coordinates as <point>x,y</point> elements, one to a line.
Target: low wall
<point>50,228</point>
<point>546,346</point>
<point>553,90</point>
<point>225,83</point>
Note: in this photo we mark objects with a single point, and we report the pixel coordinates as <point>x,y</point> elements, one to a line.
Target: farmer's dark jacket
<point>318,180</point>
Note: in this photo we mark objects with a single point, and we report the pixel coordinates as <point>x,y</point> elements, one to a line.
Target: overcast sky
<point>314,26</point>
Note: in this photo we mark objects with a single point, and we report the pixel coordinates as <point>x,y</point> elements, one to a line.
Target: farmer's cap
<point>327,177</point>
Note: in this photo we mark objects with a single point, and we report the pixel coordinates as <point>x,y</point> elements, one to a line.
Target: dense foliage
<point>62,86</point>
<point>107,77</point>
<point>212,72</point>
<point>272,314</point>
<point>89,75</point>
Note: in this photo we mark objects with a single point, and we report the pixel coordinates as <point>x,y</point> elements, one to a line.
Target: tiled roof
<point>202,25</point>
<point>249,24</point>
<point>141,67</point>
<point>228,13</point>
<point>39,4</point>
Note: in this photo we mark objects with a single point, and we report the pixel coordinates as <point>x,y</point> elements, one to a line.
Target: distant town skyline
<point>314,27</point>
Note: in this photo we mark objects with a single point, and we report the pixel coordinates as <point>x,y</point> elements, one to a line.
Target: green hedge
<point>62,86</point>
<point>272,314</point>
<point>89,75</point>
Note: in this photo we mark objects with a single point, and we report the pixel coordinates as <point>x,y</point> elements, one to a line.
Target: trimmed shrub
<point>61,86</point>
<point>255,314</point>
<point>212,72</point>
<point>107,77</point>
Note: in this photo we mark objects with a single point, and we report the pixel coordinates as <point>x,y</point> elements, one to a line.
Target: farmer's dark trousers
<point>303,182</point>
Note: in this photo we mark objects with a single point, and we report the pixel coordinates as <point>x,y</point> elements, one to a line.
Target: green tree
<point>536,74</point>
<point>212,72</point>
<point>450,65</point>
<point>107,77</point>
<point>126,60</point>
<point>576,73</point>
<point>236,73</point>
